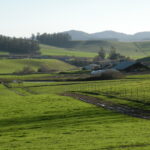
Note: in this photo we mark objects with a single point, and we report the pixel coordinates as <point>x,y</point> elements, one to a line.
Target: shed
<point>92,67</point>
<point>131,66</point>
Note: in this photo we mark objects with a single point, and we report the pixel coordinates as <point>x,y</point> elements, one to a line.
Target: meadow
<point>36,116</point>
<point>56,51</point>
<point>90,49</point>
<point>4,53</point>
<point>133,50</point>
<point>13,65</point>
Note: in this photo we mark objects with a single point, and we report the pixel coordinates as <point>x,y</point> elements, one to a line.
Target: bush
<point>46,69</point>
<point>108,75</point>
<point>111,74</point>
<point>25,70</point>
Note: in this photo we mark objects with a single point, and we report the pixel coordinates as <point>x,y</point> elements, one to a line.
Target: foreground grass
<point>48,121</point>
<point>133,89</point>
<point>35,116</point>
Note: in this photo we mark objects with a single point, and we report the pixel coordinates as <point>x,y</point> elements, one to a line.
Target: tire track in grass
<point>13,90</point>
<point>134,112</point>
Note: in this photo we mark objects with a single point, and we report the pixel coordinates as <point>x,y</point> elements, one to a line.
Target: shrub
<point>25,70</point>
<point>107,75</point>
<point>111,74</point>
<point>46,69</point>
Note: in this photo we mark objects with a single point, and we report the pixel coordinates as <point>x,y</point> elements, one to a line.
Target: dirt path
<point>111,106</point>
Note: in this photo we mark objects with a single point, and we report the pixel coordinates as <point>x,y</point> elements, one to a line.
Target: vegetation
<point>37,115</point>
<point>102,53</point>
<point>108,74</point>
<point>75,48</point>
<point>26,70</point>
<point>16,65</point>
<point>113,55</point>
<point>18,45</point>
<point>129,49</point>
<point>34,116</point>
<point>46,69</point>
<point>56,39</point>
<point>130,91</point>
<point>56,51</point>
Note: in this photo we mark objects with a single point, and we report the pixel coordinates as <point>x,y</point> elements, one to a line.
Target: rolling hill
<point>12,65</point>
<point>57,51</point>
<point>80,35</point>
<point>90,48</point>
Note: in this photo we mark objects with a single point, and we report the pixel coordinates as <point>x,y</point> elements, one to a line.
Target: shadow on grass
<point>86,116</point>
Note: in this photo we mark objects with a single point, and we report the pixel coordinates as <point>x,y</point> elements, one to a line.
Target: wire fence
<point>140,93</point>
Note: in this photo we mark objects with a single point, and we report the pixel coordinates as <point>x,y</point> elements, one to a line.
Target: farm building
<point>131,66</point>
<point>92,67</point>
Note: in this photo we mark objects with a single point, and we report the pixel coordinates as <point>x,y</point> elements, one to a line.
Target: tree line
<point>56,39</point>
<point>113,55</point>
<point>18,45</point>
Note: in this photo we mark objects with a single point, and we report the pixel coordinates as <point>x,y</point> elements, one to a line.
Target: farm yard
<point>69,108</point>
<point>74,75</point>
<point>39,115</point>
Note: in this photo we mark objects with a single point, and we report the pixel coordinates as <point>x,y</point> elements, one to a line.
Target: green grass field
<point>131,49</point>
<point>91,48</point>
<point>12,65</point>
<point>35,116</point>
<point>55,51</point>
<point>4,53</point>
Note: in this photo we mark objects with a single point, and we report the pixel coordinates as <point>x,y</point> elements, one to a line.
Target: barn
<point>131,66</point>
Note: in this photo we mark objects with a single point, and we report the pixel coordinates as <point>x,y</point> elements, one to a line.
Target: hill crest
<point>109,35</point>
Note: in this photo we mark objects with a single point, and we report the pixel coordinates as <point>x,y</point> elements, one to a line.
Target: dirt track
<point>111,106</point>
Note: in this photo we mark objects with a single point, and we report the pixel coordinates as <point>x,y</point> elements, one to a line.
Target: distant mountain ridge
<point>109,35</point>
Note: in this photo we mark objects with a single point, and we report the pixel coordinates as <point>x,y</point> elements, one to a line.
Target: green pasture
<point>30,77</point>
<point>13,65</point>
<point>4,53</point>
<point>133,91</point>
<point>35,116</point>
<point>131,49</point>
<point>55,51</point>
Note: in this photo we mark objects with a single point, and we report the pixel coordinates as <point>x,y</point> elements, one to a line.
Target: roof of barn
<point>125,65</point>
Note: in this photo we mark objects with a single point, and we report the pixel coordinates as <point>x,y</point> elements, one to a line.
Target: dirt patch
<point>145,114</point>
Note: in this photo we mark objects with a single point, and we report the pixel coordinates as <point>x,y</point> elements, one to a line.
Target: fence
<point>140,93</point>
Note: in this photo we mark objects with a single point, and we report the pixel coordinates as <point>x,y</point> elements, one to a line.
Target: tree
<point>113,54</point>
<point>56,39</point>
<point>33,37</point>
<point>18,45</point>
<point>102,53</point>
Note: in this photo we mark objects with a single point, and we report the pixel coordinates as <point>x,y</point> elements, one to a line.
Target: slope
<point>12,65</point>
<point>56,51</point>
<point>131,49</point>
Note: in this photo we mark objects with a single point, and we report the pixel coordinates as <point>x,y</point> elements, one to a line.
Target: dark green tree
<point>102,53</point>
<point>18,45</point>
<point>56,39</point>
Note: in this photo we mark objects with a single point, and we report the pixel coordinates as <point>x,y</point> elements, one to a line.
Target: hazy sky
<point>23,17</point>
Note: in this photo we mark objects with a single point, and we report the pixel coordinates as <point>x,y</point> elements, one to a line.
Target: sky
<point>21,18</point>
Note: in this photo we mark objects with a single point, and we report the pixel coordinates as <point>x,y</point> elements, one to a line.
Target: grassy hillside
<point>4,53</point>
<point>34,116</point>
<point>55,51</point>
<point>12,65</point>
<point>132,49</point>
<point>91,48</point>
<point>133,90</point>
